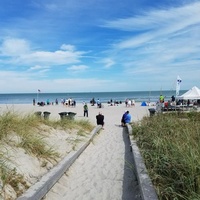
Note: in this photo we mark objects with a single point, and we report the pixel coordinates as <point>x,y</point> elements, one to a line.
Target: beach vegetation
<point>81,133</point>
<point>74,141</point>
<point>30,132</point>
<point>67,124</point>
<point>170,146</point>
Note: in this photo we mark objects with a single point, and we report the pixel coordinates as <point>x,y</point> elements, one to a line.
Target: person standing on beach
<point>98,103</point>
<point>74,103</point>
<point>34,101</point>
<point>100,119</point>
<point>126,102</point>
<point>85,110</point>
<point>173,98</point>
<point>161,98</point>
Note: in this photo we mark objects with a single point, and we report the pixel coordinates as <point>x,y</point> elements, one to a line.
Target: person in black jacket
<point>100,119</point>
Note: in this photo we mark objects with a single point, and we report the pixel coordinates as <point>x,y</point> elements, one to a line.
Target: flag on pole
<point>178,84</point>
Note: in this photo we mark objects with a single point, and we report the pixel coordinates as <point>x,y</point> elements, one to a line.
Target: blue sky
<point>98,45</point>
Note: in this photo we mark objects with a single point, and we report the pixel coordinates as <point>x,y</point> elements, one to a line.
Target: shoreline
<point>104,97</point>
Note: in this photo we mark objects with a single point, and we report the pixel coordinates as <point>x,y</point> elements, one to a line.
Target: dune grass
<point>170,146</point>
<point>67,124</point>
<point>27,129</point>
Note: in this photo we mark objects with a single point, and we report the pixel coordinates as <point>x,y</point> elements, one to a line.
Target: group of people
<point>99,117</point>
<point>129,102</point>
<point>69,102</point>
<point>98,102</point>
<point>126,117</point>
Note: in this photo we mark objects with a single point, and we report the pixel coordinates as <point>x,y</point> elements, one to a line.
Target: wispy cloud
<point>158,19</point>
<point>77,68</point>
<point>159,24</point>
<point>36,67</point>
<point>38,71</point>
<point>108,62</point>
<point>168,41</point>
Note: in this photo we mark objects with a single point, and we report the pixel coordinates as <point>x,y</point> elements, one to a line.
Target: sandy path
<point>102,172</point>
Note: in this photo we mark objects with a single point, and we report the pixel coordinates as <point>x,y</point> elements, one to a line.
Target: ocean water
<point>138,96</point>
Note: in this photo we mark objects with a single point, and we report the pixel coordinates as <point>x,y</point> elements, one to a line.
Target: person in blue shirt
<point>127,118</point>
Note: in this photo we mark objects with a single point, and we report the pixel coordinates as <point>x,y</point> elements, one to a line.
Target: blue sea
<point>138,96</point>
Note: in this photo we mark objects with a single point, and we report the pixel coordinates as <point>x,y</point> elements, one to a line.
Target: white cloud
<point>14,47</point>
<point>51,58</point>
<point>67,47</point>
<point>77,68</point>
<point>20,52</point>
<point>38,71</point>
<point>36,67</point>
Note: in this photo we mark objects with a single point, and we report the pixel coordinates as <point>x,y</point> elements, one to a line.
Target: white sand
<point>112,113</point>
<point>99,172</point>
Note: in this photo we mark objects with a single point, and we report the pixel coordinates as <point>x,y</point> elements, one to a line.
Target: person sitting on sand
<point>127,118</point>
<point>123,118</point>
<point>100,119</point>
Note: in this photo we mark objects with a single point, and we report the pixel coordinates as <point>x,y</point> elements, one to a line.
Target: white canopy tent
<point>193,93</point>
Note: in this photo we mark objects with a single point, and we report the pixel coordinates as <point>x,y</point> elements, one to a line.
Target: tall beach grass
<point>170,146</point>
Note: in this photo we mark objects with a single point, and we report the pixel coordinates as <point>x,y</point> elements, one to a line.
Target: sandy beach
<point>113,112</point>
<point>99,173</point>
